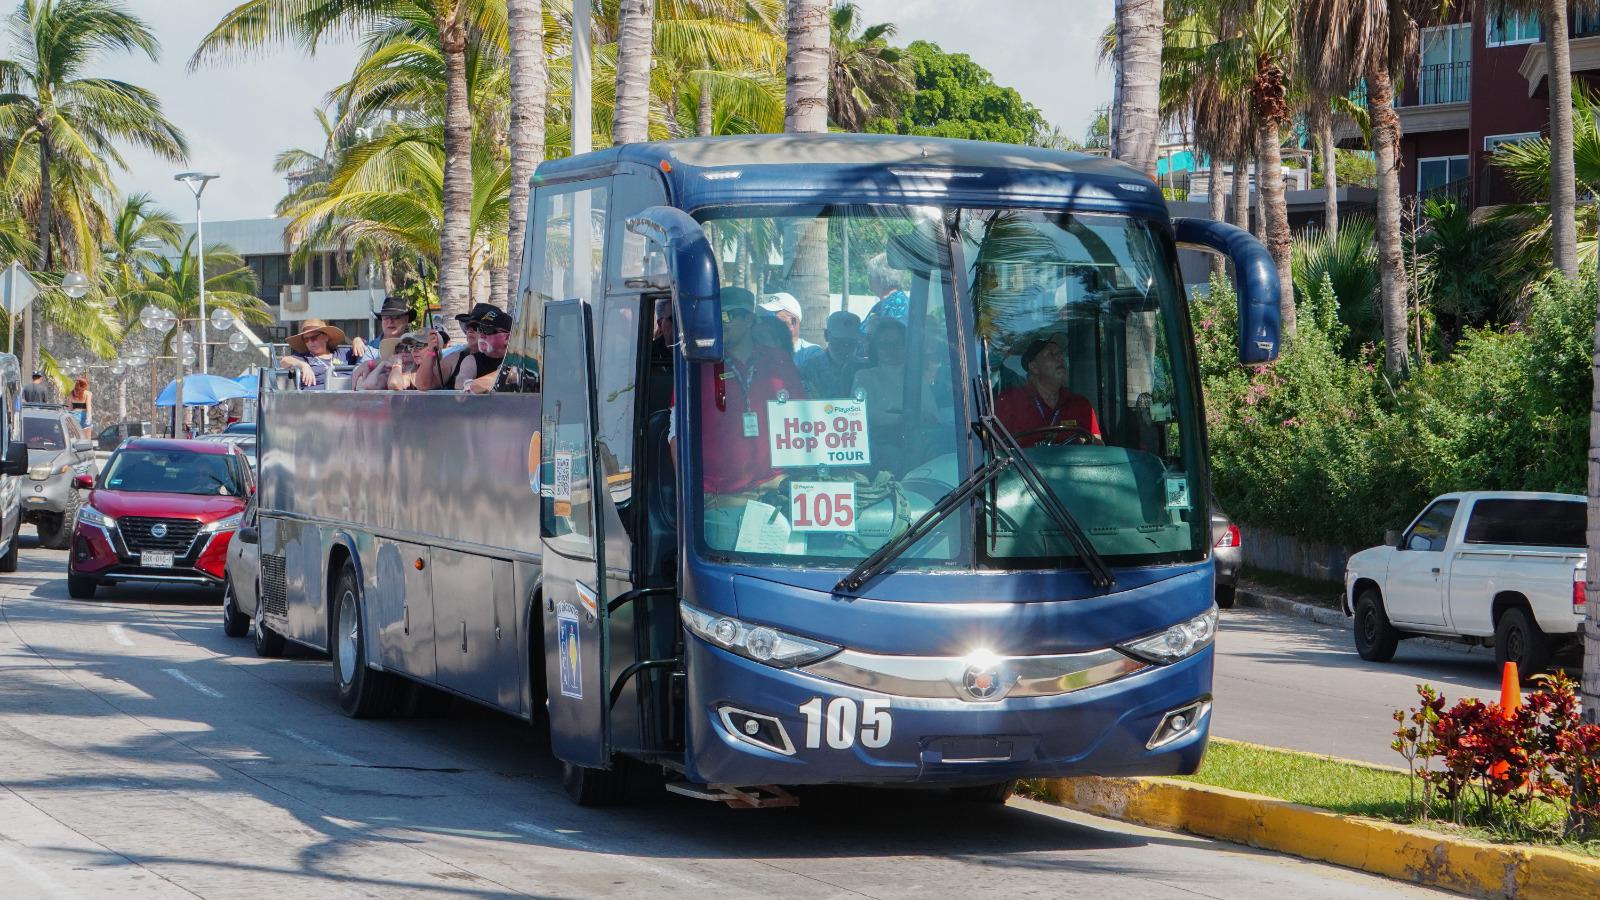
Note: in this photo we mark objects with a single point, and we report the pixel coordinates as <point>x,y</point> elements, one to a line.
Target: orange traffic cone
<point>1510,689</point>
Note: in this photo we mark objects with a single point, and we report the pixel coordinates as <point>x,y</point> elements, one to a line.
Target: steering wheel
<point>1058,434</point>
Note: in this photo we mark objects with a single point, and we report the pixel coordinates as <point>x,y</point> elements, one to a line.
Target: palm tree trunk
<point>1391,257</point>
<point>1260,229</point>
<point>630,120</point>
<point>1276,224</point>
<point>704,122</point>
<point>499,287</point>
<point>529,86</point>
<point>1219,211</point>
<point>47,207</point>
<point>1563,188</point>
<point>1241,192</point>
<point>1330,180</point>
<point>455,235</point>
<point>805,101</point>
<point>1136,126</point>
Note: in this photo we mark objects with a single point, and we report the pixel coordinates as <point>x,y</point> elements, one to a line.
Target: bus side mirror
<point>691,276</point>
<point>16,461</point>
<point>1257,285</point>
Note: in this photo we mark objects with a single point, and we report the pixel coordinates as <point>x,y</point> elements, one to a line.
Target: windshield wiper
<point>883,556</point>
<point>1004,446</point>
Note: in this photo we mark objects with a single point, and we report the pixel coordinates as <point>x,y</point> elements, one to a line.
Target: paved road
<point>1289,682</point>
<point>146,755</point>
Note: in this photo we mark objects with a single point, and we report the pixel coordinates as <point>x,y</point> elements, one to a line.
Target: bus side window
<point>561,262</point>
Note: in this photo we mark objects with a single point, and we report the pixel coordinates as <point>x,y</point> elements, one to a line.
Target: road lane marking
<point>119,635</point>
<point>206,689</point>
<point>570,839</point>
<point>320,747</point>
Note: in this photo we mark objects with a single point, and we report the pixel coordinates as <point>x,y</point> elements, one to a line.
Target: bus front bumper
<point>752,724</point>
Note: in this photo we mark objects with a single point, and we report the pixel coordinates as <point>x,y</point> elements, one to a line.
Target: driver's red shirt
<point>1022,410</point>
<point>732,462</point>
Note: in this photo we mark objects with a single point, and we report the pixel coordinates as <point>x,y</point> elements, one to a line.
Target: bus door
<point>574,593</point>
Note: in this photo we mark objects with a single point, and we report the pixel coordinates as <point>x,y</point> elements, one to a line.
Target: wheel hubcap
<point>349,636</point>
<point>1369,627</point>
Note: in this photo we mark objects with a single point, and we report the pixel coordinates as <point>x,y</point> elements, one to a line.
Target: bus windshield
<point>861,343</point>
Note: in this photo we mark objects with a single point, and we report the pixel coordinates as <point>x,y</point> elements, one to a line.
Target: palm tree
<point>635,38</point>
<point>1135,113</point>
<point>529,89</point>
<point>1376,38</point>
<point>175,285</point>
<point>806,93</point>
<point>458,26</point>
<point>867,77</point>
<point>133,250</point>
<point>1561,190</point>
<point>60,113</point>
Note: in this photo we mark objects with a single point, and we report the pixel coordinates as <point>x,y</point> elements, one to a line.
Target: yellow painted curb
<point>1409,854</point>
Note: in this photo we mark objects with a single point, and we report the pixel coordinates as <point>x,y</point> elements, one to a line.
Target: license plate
<point>156,559</point>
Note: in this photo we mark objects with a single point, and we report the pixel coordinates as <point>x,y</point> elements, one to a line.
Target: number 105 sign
<point>822,506</point>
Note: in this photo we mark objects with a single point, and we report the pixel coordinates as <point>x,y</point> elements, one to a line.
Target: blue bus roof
<point>872,168</point>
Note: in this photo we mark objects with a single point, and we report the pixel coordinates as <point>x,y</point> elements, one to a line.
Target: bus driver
<point>1041,409</point>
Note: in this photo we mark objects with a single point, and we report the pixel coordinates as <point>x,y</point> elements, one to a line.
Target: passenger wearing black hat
<point>395,317</point>
<point>1042,410</point>
<point>479,371</point>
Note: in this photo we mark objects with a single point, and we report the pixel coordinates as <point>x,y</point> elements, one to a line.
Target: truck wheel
<point>81,587</point>
<point>363,693</point>
<point>268,643</point>
<point>234,623</point>
<point>53,531</point>
<point>1519,639</point>
<point>592,787</point>
<point>8,562</point>
<point>68,523</point>
<point>1376,639</point>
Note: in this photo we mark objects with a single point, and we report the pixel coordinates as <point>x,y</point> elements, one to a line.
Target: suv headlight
<point>1181,641</point>
<point>40,473</point>
<point>231,523</point>
<point>91,516</point>
<point>761,643</point>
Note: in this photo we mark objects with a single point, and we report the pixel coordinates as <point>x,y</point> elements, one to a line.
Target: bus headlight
<point>1181,641</point>
<point>761,643</point>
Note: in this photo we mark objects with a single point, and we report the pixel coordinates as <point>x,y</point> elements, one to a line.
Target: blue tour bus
<point>848,459</point>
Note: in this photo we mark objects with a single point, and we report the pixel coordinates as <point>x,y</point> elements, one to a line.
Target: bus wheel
<point>996,794</point>
<point>363,693</point>
<point>592,787</point>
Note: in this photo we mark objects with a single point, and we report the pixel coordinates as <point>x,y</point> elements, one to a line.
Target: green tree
<point>175,285</point>
<point>952,96</point>
<point>1351,168</point>
<point>867,76</point>
<point>1458,276</point>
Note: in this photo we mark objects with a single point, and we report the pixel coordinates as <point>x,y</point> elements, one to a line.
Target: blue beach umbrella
<point>203,390</point>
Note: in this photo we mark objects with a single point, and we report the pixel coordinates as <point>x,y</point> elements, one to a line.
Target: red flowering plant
<point>1496,765</point>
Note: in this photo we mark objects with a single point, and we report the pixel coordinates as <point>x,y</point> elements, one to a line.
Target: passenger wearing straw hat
<point>317,349</point>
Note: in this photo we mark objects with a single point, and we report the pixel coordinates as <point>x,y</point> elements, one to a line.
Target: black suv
<point>58,451</point>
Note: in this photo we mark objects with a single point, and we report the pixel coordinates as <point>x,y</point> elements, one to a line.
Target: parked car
<point>162,511</point>
<point>1226,555</point>
<point>112,435</point>
<point>1492,568</point>
<point>58,452</point>
<point>244,441</point>
<point>240,428</point>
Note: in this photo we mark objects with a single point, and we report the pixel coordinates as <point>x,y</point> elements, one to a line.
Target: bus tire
<point>1376,639</point>
<point>995,794</point>
<point>592,787</point>
<point>363,692</point>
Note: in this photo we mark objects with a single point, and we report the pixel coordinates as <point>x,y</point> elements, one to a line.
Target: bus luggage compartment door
<point>404,605</point>
<point>573,603</point>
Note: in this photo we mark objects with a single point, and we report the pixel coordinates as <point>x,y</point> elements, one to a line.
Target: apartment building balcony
<point>1583,44</point>
<point>297,303</point>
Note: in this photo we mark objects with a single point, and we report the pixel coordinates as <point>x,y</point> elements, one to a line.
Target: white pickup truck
<point>1496,568</point>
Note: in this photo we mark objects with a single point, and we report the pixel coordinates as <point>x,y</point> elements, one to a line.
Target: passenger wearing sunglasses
<point>734,393</point>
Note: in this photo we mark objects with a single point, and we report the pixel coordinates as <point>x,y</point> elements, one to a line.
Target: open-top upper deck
<point>872,168</point>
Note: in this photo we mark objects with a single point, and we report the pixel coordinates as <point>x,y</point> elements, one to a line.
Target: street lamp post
<point>197,182</point>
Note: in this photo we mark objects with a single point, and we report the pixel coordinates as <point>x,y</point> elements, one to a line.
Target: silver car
<point>1225,555</point>
<point>241,590</point>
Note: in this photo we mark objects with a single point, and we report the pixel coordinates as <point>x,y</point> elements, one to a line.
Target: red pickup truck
<point>161,511</point>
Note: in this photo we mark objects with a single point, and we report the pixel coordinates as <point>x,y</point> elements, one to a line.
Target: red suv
<point>162,511</point>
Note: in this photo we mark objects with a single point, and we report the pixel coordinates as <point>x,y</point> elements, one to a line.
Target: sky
<point>239,115</point>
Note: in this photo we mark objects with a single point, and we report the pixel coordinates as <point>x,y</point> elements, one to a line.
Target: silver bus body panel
<point>429,496</point>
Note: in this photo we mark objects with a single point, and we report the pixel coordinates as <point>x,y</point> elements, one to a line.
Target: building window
<point>1493,141</point>
<point>1508,27</point>
<point>1443,177</point>
<point>1445,75</point>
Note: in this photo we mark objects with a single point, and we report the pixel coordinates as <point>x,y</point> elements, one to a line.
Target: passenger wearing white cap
<point>787,309</point>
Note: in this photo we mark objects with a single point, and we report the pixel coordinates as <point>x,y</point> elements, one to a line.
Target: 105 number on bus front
<point>843,723</point>
<point>822,506</point>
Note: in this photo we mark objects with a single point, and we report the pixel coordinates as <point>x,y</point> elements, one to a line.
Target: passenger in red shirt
<point>1043,401</point>
<point>736,447</point>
